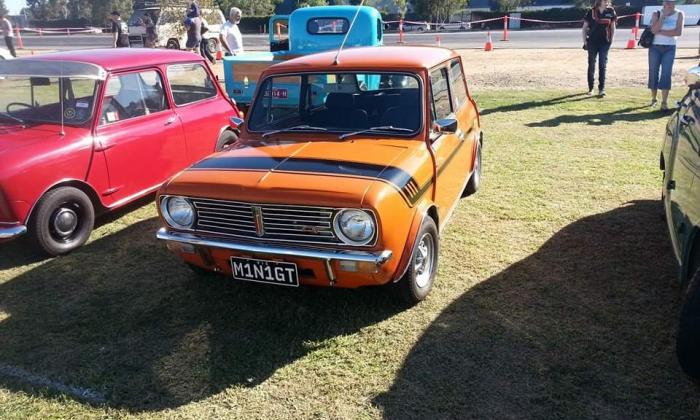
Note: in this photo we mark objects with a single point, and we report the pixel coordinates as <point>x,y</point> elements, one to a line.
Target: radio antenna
<point>336,61</point>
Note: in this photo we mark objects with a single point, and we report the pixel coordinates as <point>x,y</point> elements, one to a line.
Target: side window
<point>190,83</point>
<point>458,87</point>
<point>442,106</point>
<point>132,95</point>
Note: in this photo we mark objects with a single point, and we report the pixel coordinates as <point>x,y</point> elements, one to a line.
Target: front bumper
<point>327,256</point>
<point>11,231</point>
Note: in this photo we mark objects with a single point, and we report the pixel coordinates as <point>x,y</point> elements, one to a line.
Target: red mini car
<point>88,131</point>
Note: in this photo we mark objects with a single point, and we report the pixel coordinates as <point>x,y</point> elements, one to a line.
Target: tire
<point>688,337</point>
<point>415,285</point>
<point>172,44</point>
<point>475,180</point>
<point>227,138</point>
<point>62,221</point>
<point>212,46</point>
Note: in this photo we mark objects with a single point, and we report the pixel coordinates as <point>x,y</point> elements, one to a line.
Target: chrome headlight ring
<point>178,212</point>
<point>354,226</point>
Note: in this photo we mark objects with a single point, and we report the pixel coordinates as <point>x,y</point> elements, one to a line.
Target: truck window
<point>190,83</point>
<point>442,106</point>
<point>457,84</point>
<point>327,26</point>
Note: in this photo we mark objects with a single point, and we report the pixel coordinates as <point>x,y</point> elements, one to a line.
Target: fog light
<point>349,266</point>
<point>357,267</point>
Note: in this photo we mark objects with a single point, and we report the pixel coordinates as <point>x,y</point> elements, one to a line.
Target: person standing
<point>230,35</point>
<point>193,23</point>
<point>204,43</point>
<point>666,25</point>
<point>6,29</point>
<point>151,38</point>
<point>598,33</point>
<point>120,38</point>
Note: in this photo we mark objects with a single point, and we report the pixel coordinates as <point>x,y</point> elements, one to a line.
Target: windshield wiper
<point>296,127</point>
<point>380,128</point>
<point>12,117</point>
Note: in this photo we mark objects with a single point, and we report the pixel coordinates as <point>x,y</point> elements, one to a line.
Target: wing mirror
<point>692,78</point>
<point>446,126</point>
<point>236,122</point>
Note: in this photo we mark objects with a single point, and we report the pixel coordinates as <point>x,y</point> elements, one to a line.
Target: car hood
<point>314,173</point>
<point>14,137</point>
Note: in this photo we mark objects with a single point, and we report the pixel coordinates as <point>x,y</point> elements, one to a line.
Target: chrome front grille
<point>265,221</point>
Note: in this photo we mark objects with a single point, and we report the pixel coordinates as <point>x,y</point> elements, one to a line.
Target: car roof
<point>379,58</point>
<point>112,59</point>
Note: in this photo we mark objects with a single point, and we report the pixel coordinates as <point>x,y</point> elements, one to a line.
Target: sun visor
<point>50,68</point>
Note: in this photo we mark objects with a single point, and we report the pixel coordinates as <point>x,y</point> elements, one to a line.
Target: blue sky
<point>14,6</point>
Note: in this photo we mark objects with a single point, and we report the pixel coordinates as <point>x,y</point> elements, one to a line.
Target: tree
<point>102,8</point>
<point>3,9</point>
<point>251,7</point>
<point>48,9</point>
<point>438,10</point>
<point>511,5</point>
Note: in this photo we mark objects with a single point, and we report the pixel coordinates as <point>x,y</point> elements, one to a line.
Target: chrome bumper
<point>12,231</point>
<point>325,255</point>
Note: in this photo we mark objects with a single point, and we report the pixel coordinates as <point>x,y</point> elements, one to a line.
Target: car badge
<point>258,219</point>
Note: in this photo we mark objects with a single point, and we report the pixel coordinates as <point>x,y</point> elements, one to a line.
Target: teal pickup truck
<point>305,31</point>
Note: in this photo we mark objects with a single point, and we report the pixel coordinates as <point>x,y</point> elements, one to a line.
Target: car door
<point>139,134</point>
<point>199,106</point>
<point>449,147</point>
<point>680,203</point>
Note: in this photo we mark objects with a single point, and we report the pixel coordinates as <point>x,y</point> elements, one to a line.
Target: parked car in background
<point>344,175</point>
<point>84,133</point>
<point>408,26</point>
<point>680,161</point>
<point>454,26</point>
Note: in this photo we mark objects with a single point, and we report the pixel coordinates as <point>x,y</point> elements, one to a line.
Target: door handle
<point>170,121</point>
<point>686,120</point>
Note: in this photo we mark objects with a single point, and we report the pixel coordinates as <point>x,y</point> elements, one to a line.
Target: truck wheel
<point>172,44</point>
<point>226,139</point>
<point>62,221</point>
<point>475,180</point>
<point>688,338</point>
<point>415,285</point>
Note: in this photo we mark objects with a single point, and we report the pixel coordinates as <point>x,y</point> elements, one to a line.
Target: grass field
<point>556,297</point>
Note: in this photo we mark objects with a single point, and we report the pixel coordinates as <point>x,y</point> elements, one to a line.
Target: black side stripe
<point>413,199</point>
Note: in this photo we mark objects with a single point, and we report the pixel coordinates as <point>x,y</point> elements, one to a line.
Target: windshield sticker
<point>69,113</point>
<point>82,104</point>
<point>112,116</point>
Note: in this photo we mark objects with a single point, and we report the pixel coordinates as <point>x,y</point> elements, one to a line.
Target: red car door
<point>140,135</point>
<point>204,112</point>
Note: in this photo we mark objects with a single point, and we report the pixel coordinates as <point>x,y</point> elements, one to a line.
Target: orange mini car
<point>345,172</point>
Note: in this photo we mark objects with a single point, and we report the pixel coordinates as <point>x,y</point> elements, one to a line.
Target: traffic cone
<point>631,43</point>
<point>437,39</point>
<point>218,55</point>
<point>489,43</point>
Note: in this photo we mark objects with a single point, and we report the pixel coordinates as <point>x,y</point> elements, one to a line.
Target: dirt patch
<point>562,68</point>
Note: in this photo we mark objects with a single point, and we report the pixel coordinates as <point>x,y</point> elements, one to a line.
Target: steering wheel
<point>11,104</point>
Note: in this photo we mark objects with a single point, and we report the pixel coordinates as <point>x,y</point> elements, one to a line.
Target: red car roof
<point>122,58</point>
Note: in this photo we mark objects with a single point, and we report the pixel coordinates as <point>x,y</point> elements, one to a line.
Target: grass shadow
<point>574,97</point>
<point>20,252</point>
<point>630,114</point>
<point>582,328</point>
<point>124,319</point>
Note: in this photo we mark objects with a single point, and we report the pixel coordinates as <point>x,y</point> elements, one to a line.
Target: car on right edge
<point>680,161</point>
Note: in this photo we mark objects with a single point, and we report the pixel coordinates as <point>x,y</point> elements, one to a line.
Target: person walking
<point>6,29</point>
<point>193,23</point>
<point>666,25</point>
<point>230,35</point>
<point>598,33</point>
<point>120,38</point>
<point>151,37</point>
<point>204,43</point>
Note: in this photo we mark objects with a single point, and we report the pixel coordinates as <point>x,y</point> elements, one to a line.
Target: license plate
<point>264,271</point>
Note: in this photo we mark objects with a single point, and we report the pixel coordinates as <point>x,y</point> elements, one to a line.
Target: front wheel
<point>62,221</point>
<point>226,139</point>
<point>688,338</point>
<point>212,45</point>
<point>415,285</point>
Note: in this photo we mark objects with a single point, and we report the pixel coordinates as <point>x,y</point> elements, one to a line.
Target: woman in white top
<point>666,25</point>
<point>230,36</point>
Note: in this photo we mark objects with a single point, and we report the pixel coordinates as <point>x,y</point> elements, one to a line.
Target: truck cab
<point>305,31</point>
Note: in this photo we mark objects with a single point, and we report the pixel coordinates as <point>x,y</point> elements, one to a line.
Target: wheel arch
<point>691,257</point>
<point>82,186</point>
<point>420,215</point>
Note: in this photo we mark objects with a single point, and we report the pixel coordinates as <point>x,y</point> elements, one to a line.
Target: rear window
<point>329,26</point>
<point>190,83</point>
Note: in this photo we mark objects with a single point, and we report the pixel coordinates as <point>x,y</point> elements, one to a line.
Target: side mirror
<point>446,126</point>
<point>236,122</point>
<point>692,78</point>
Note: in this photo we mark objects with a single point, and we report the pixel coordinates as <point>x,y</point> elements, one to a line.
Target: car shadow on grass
<point>582,328</point>
<point>574,97</point>
<point>20,251</point>
<point>123,322</point>
<point>630,114</point>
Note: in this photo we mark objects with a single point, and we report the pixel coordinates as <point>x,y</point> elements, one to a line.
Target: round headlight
<point>354,227</point>
<point>178,212</point>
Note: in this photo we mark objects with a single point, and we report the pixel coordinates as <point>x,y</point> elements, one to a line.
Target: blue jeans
<point>600,51</point>
<point>661,56</point>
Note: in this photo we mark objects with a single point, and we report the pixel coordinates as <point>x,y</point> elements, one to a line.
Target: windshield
<point>45,99</point>
<point>344,102</point>
<point>138,18</point>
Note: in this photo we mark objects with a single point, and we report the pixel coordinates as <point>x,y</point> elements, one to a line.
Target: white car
<point>454,26</point>
<point>5,55</point>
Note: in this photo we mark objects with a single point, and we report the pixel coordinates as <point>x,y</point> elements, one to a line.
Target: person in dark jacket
<point>598,33</point>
